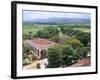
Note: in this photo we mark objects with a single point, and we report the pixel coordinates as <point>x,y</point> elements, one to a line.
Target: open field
<point>32,28</point>
<point>83,29</point>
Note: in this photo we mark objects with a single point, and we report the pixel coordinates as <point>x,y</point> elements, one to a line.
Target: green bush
<point>38,66</point>
<point>26,61</point>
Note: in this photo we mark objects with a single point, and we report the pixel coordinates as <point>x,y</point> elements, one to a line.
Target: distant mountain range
<point>59,21</point>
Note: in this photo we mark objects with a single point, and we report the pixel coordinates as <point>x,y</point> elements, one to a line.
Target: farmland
<point>32,28</point>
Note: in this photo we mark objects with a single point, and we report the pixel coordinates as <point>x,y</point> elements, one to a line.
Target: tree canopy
<point>47,32</point>
<point>54,57</point>
<point>84,37</point>
<point>74,42</point>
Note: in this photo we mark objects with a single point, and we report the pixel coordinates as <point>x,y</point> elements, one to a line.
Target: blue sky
<point>34,15</point>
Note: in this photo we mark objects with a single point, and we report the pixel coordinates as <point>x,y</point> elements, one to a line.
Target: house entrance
<point>43,53</point>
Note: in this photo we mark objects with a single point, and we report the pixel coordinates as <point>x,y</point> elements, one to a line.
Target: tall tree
<point>67,55</point>
<point>84,37</point>
<point>54,57</point>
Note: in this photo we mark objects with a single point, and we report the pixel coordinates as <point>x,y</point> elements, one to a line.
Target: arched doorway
<point>43,53</point>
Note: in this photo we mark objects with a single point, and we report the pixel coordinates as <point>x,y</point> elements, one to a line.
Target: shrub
<point>26,61</point>
<point>38,66</point>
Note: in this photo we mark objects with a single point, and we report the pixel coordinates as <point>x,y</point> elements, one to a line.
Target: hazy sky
<point>33,15</point>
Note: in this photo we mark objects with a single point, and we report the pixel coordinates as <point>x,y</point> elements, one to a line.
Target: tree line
<point>84,37</point>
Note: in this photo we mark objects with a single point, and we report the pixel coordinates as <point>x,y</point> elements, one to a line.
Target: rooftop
<point>40,43</point>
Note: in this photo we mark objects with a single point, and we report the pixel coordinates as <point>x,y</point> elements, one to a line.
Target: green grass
<point>32,28</point>
<point>83,29</point>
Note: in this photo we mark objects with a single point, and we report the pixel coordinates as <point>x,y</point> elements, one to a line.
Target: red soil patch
<point>82,62</point>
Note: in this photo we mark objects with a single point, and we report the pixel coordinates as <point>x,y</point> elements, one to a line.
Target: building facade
<point>40,47</point>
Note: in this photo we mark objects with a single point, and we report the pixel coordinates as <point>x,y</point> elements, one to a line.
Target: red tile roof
<point>42,42</point>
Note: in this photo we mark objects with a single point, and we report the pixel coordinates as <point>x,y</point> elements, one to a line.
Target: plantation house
<point>40,46</point>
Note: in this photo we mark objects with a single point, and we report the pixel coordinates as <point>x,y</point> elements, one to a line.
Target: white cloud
<point>33,15</point>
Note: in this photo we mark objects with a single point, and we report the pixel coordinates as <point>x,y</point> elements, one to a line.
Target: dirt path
<point>33,65</point>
